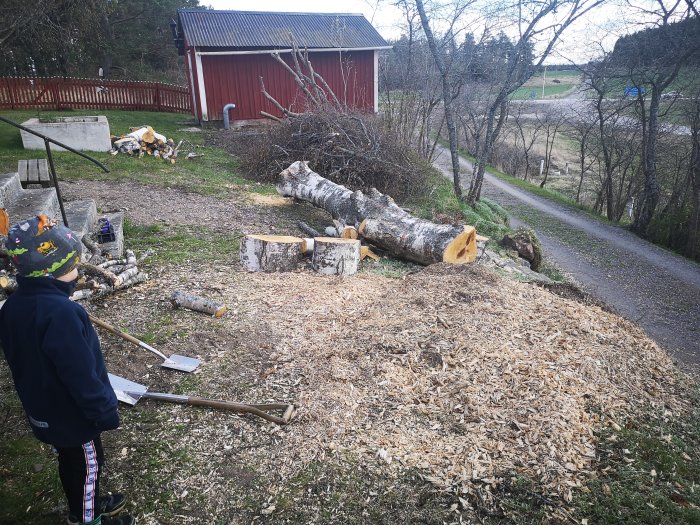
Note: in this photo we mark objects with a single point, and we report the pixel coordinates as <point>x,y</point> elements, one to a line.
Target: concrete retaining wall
<point>81,133</point>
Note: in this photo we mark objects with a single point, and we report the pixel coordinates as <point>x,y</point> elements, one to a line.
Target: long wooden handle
<point>256,410</point>
<point>124,335</point>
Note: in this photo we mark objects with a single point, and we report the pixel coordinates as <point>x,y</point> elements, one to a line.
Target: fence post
<point>11,90</point>
<point>157,96</point>
<point>56,90</point>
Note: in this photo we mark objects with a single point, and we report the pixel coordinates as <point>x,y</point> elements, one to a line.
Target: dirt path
<point>652,287</point>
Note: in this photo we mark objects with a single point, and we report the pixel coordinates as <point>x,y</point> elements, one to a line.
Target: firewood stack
<point>100,278</point>
<point>145,141</point>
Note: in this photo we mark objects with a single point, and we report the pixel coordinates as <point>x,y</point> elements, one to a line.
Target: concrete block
<point>81,215</point>
<point>116,247</point>
<point>81,133</point>
<point>10,188</point>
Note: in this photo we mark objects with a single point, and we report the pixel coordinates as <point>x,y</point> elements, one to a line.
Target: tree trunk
<point>380,220</point>
<point>446,97</point>
<point>692,248</point>
<point>271,253</point>
<point>333,256</point>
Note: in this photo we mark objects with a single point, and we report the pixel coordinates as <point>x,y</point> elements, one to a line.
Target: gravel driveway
<point>648,285</point>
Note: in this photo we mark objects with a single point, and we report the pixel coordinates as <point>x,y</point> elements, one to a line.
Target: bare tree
<point>526,132</point>
<point>444,62</point>
<point>581,130</point>
<point>652,60</point>
<point>539,26</point>
<point>692,248</point>
<point>410,85</point>
<point>617,142</point>
<point>550,122</point>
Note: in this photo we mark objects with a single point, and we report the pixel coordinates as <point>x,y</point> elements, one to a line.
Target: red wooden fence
<point>84,93</point>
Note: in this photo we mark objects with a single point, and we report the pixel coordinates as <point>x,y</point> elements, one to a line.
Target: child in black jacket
<point>57,365</point>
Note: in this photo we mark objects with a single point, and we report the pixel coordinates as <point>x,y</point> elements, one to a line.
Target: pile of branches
<point>350,148</point>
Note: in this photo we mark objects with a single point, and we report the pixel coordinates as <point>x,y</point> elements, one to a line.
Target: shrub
<point>351,149</point>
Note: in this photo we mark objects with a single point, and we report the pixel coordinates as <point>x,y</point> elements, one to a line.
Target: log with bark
<point>197,303</point>
<point>333,256</point>
<point>271,253</point>
<point>380,220</point>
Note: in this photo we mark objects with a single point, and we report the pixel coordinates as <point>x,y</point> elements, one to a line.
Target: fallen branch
<point>308,229</point>
<point>91,269</point>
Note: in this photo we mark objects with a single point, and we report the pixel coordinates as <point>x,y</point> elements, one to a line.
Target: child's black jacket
<point>56,363</point>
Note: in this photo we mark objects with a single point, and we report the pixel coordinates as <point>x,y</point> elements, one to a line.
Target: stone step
<point>81,216</point>
<point>10,188</point>
<point>30,203</point>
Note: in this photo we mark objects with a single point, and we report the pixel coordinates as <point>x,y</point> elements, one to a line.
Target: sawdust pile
<point>469,377</point>
<point>457,372</point>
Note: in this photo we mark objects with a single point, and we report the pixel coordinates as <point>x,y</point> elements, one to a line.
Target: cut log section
<point>197,303</point>
<point>271,253</point>
<point>380,220</point>
<point>348,232</point>
<point>333,256</point>
<point>366,252</point>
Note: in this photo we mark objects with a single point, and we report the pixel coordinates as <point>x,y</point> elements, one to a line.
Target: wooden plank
<point>22,170</point>
<point>32,172</point>
<point>44,178</point>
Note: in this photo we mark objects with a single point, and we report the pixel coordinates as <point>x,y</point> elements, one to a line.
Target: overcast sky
<point>600,28</point>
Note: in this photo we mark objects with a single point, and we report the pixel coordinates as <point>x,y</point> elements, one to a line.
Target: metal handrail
<point>54,179</point>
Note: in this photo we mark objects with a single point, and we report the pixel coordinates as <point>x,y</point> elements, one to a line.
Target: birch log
<point>380,220</point>
<point>271,253</point>
<point>333,256</point>
<point>197,303</point>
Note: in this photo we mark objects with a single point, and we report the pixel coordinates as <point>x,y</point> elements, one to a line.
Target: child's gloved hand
<point>110,422</point>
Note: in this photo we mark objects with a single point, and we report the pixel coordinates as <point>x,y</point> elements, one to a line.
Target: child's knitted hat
<point>41,248</point>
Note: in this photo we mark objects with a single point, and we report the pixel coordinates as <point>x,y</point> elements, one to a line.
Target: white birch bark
<point>380,220</point>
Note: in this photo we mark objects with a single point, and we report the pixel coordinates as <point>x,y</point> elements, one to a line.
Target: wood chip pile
<point>469,377</point>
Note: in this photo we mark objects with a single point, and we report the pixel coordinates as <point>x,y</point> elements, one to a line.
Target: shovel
<point>175,361</point>
<point>130,392</point>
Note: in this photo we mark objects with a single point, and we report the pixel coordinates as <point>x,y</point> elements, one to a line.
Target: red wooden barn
<point>227,52</point>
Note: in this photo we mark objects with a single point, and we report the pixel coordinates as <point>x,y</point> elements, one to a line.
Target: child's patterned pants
<point>79,469</point>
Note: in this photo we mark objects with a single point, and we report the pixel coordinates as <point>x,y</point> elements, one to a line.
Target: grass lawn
<point>209,174</point>
<point>535,92</point>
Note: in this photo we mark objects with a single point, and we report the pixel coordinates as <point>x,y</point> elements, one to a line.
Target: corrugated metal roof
<point>247,29</point>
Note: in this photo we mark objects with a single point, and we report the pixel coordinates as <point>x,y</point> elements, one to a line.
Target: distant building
<point>227,52</point>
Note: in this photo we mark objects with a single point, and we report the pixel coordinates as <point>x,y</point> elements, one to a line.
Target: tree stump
<point>334,256</point>
<point>271,253</point>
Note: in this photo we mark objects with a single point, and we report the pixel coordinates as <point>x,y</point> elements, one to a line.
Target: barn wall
<point>236,79</point>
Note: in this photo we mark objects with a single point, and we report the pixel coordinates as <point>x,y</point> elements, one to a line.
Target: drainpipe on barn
<point>227,107</point>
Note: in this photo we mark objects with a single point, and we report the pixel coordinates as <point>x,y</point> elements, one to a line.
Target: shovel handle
<point>257,410</point>
<point>124,335</point>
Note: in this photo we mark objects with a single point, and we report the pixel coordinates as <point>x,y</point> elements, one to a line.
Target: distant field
<point>555,83</point>
<point>535,92</point>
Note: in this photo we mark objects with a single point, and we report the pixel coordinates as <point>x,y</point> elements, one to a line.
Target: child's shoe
<point>108,505</point>
<point>111,504</point>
